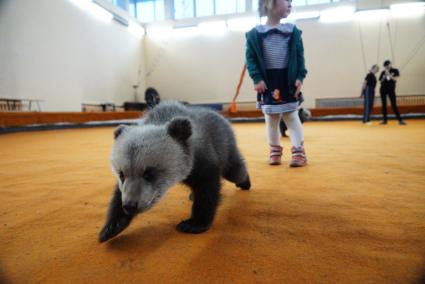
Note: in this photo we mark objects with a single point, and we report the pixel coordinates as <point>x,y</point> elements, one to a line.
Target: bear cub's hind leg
<point>236,171</point>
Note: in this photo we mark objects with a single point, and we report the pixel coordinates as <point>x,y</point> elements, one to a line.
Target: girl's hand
<point>298,86</point>
<point>260,87</point>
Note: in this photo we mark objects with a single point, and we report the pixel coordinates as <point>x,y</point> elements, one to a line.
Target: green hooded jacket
<point>257,67</point>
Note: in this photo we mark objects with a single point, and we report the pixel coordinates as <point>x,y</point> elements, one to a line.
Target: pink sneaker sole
<point>296,163</point>
<point>275,161</point>
<point>298,157</point>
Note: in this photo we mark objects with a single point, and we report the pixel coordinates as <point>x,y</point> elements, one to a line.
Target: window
<point>147,10</point>
<point>120,3</point>
<point>298,3</point>
<point>183,9</point>
<point>204,8</point>
<point>229,6</point>
<point>154,10</point>
<point>159,10</point>
<point>311,2</point>
<point>132,9</point>
<point>254,5</point>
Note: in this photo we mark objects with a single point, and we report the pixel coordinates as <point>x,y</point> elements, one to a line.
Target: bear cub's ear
<point>120,130</point>
<point>180,129</point>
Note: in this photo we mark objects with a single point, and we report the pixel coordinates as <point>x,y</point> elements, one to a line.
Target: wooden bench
<point>103,107</point>
<point>16,104</point>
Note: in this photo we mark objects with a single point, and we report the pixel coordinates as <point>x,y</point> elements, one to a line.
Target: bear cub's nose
<point>130,208</point>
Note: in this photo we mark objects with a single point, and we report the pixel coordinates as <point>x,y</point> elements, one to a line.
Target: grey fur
<point>174,143</point>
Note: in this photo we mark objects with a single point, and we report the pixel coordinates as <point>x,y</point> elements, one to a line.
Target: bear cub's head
<point>149,159</point>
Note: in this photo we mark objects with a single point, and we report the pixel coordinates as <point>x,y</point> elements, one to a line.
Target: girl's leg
<point>296,133</point>
<point>272,128</point>
<point>272,131</point>
<point>295,127</point>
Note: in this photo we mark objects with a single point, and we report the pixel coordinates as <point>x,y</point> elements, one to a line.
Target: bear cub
<point>174,143</point>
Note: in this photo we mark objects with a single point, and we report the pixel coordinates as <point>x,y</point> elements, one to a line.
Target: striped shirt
<point>276,44</point>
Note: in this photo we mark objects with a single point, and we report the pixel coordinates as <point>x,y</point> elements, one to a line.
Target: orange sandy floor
<point>356,214</point>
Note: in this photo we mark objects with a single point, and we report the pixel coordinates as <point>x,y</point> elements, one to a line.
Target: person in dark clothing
<point>152,97</point>
<point>388,79</point>
<point>368,93</point>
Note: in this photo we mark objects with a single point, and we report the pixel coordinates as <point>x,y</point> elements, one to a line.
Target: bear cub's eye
<point>122,177</point>
<point>150,174</point>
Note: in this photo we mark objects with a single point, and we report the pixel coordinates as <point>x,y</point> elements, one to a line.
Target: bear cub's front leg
<point>117,219</point>
<point>206,196</point>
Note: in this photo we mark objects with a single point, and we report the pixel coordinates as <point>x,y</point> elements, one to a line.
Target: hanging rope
<point>395,36</point>
<point>391,42</point>
<point>143,76</point>
<point>414,52</point>
<point>378,53</point>
<point>362,48</point>
<point>362,43</point>
<point>232,108</point>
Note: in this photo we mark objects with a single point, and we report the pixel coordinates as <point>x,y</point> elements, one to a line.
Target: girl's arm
<point>252,64</point>
<point>302,71</point>
<point>254,70</point>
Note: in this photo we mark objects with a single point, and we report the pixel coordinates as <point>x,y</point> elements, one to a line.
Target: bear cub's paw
<point>246,185</point>
<point>113,228</point>
<point>191,227</point>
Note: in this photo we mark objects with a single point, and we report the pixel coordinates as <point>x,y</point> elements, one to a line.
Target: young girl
<point>275,62</point>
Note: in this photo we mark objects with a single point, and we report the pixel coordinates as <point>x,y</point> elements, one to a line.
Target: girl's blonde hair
<point>264,6</point>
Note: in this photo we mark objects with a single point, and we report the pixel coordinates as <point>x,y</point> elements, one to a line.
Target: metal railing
<point>402,100</point>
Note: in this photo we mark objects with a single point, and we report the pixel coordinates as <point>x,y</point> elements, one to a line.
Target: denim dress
<point>275,46</point>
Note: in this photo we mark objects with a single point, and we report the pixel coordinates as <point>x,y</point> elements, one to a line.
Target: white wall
<point>54,51</point>
<point>205,69</point>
